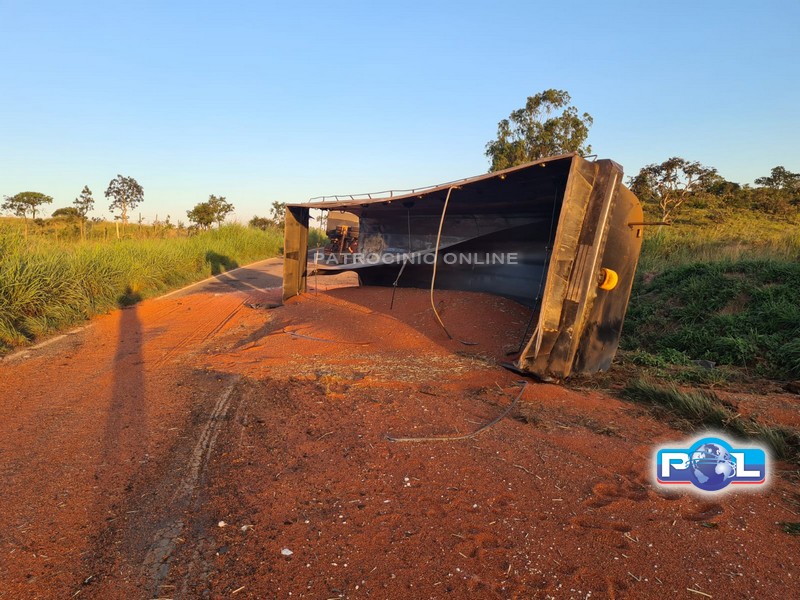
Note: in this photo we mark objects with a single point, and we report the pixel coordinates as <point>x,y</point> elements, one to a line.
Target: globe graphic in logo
<point>711,467</point>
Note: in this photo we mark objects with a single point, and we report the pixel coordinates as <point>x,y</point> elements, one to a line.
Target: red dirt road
<point>209,445</point>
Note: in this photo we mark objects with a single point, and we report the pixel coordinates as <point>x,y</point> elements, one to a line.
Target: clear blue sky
<point>265,101</point>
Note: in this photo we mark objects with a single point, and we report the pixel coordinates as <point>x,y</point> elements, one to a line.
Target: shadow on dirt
<point>126,425</point>
<point>243,280</point>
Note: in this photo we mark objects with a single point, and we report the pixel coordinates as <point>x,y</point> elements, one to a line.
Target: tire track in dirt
<point>150,541</point>
<point>159,556</point>
<point>197,335</point>
<point>89,420</point>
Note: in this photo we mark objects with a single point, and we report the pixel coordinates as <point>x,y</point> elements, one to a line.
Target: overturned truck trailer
<point>561,235</point>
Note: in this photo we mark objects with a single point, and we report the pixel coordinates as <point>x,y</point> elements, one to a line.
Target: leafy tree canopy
<point>722,188</point>
<point>83,205</point>
<point>25,204</point>
<point>202,215</point>
<point>214,210</point>
<point>220,207</point>
<point>263,223</point>
<point>780,178</point>
<point>125,194</point>
<point>779,193</point>
<point>278,211</point>
<point>540,130</point>
<point>85,202</point>
<point>670,183</point>
<point>70,212</point>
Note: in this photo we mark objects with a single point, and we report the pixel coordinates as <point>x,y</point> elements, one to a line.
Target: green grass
<point>704,409</point>
<point>698,407</point>
<point>722,286</point>
<point>719,234</point>
<point>317,238</point>
<point>742,313</point>
<point>46,285</point>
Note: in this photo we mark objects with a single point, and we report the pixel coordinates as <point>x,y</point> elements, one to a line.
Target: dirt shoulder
<point>209,445</point>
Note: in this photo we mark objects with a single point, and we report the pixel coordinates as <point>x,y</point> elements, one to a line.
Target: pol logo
<point>711,464</point>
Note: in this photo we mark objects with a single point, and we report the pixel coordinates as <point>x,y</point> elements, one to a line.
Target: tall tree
<point>84,204</point>
<point>220,207</point>
<point>278,212</point>
<point>780,178</point>
<point>779,192</point>
<point>670,183</point>
<point>214,210</point>
<point>25,204</point>
<point>126,194</point>
<point>202,215</point>
<point>538,130</point>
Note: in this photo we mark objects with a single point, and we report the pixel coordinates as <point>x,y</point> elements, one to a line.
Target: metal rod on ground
<point>453,438</point>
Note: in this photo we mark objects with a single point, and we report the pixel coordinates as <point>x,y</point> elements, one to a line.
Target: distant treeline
<point>669,187</point>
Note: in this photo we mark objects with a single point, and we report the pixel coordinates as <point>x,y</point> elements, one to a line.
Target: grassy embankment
<point>46,284</point>
<point>721,287</point>
<point>724,290</point>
